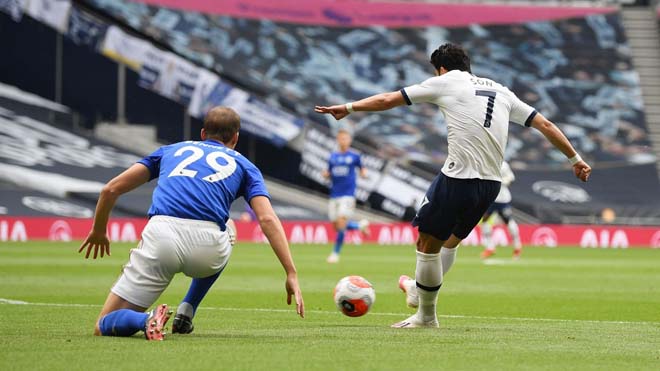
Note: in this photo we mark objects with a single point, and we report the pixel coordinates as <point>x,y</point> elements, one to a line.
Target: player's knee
<point>428,244</point>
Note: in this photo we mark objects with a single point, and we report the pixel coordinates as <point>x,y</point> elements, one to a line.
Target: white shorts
<point>341,207</point>
<point>171,245</point>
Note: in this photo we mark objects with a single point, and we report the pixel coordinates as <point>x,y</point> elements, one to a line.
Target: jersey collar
<point>214,142</point>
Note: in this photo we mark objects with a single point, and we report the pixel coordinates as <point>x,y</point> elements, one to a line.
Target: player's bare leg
<point>486,238</point>
<point>515,236</point>
<point>340,227</point>
<point>112,303</point>
<point>120,317</point>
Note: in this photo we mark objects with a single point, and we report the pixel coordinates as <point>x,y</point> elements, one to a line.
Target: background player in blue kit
<point>186,232</point>
<point>343,166</point>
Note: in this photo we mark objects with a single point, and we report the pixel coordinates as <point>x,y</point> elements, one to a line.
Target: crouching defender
<point>186,232</point>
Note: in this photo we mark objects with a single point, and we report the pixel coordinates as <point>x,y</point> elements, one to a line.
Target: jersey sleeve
<point>254,184</point>
<point>358,161</point>
<point>521,112</point>
<point>152,162</point>
<point>424,92</point>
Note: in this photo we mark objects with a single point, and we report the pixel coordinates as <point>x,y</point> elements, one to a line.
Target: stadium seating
<point>47,168</point>
<point>50,169</point>
<point>577,71</point>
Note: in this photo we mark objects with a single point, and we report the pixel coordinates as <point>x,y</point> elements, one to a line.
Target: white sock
<point>447,256</point>
<point>486,233</point>
<point>185,309</point>
<point>428,274</point>
<point>515,233</point>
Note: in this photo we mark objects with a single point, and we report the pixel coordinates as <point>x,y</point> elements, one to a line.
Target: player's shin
<point>448,256</point>
<point>122,322</point>
<point>515,233</point>
<point>428,276</point>
<point>198,289</point>
<point>486,233</point>
<point>339,241</point>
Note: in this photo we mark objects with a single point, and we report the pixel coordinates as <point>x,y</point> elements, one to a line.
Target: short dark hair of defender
<point>451,57</point>
<point>222,123</point>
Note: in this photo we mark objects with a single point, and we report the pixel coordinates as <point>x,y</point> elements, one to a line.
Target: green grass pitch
<point>569,309</point>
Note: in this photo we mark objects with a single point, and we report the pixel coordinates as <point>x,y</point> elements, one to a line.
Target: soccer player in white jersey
<point>343,166</point>
<point>501,206</point>
<point>477,112</point>
<point>186,232</point>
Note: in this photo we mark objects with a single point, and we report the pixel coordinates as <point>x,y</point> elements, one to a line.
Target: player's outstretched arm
<point>580,168</point>
<point>378,102</point>
<point>272,228</point>
<point>97,239</point>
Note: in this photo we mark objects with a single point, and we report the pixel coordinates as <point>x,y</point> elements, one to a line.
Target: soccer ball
<point>354,296</point>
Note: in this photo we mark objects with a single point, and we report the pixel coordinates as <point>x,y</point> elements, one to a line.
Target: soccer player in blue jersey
<point>186,232</point>
<point>477,113</point>
<point>343,167</point>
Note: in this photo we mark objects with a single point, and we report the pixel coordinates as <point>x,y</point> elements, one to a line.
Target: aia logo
<point>655,240</point>
<point>544,236</point>
<point>60,231</point>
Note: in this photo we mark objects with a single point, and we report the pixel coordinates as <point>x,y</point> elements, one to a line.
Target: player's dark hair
<point>222,123</point>
<point>451,57</point>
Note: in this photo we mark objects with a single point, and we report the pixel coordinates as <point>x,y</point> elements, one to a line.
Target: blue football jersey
<point>342,168</point>
<point>200,180</point>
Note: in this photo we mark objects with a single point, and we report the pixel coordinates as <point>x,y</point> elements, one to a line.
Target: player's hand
<point>338,111</point>
<point>582,170</point>
<point>96,241</point>
<point>292,288</point>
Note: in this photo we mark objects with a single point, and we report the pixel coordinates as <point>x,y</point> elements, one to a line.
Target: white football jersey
<point>477,111</point>
<point>504,197</point>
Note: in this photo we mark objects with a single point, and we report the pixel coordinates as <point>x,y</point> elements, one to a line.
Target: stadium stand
<point>50,169</point>
<point>578,71</point>
<point>47,169</point>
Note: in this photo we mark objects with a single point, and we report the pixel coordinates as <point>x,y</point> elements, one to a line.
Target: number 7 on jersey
<point>491,103</point>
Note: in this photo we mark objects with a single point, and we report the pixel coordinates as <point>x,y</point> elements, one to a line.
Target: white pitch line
<point>271,310</point>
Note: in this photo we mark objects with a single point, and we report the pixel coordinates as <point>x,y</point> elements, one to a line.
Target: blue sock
<point>352,225</point>
<point>198,289</point>
<point>339,242</point>
<point>122,322</point>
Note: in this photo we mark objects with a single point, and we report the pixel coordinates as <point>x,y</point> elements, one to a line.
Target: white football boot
<point>408,285</point>
<point>415,322</point>
<point>333,258</point>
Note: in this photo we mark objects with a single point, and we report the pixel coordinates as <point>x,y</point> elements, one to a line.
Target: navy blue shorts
<point>503,209</point>
<point>454,206</point>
